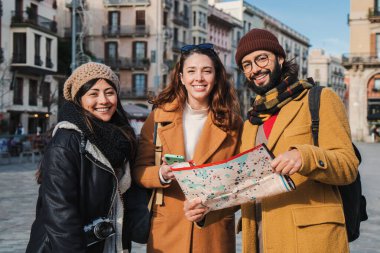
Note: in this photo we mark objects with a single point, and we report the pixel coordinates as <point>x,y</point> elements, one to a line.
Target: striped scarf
<point>265,106</point>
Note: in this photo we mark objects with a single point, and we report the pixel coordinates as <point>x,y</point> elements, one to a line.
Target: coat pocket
<point>320,229</point>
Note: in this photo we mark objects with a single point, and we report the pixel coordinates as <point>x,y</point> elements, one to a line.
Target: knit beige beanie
<point>85,73</point>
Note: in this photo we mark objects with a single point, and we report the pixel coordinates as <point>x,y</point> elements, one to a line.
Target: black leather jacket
<point>71,196</point>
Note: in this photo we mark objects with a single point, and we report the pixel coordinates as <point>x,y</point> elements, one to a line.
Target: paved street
<point>19,191</point>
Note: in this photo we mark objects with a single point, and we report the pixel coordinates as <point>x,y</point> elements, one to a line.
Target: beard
<point>274,80</point>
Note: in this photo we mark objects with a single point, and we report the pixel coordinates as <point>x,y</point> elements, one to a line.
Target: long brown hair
<point>223,100</point>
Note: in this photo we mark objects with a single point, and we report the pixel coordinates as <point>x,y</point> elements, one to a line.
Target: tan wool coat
<point>171,232</point>
<point>309,219</point>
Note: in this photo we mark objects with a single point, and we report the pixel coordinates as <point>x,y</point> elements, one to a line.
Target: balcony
<point>19,58</point>
<point>68,31</point>
<point>109,3</point>
<point>366,59</point>
<point>30,19</point>
<point>79,4</point>
<point>168,4</point>
<point>128,63</point>
<point>135,94</point>
<point>177,45</point>
<point>49,63</point>
<point>126,31</point>
<point>374,15</point>
<point>180,19</point>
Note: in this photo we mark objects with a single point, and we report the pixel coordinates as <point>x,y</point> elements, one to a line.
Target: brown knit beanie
<point>258,39</point>
<point>85,73</point>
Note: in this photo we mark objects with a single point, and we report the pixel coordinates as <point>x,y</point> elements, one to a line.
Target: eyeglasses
<point>261,61</point>
<point>188,48</point>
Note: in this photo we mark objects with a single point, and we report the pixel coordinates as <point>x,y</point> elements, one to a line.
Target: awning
<point>136,112</point>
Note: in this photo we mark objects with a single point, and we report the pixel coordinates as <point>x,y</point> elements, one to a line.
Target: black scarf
<point>265,106</point>
<point>105,135</point>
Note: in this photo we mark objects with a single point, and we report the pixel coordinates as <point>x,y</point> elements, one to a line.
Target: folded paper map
<point>243,178</point>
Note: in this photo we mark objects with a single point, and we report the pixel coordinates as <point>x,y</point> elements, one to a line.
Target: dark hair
<point>289,70</point>
<point>223,100</point>
<point>119,119</point>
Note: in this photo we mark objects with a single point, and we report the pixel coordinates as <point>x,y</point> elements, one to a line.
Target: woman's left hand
<point>194,210</point>
<point>287,163</point>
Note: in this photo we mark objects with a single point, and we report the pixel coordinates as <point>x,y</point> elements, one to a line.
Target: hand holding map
<point>243,178</point>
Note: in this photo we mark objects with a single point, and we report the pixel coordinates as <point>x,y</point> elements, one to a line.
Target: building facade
<point>29,90</point>
<point>363,65</point>
<point>327,71</point>
<point>295,44</point>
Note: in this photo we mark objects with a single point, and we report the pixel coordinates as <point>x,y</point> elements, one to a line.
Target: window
<point>18,91</point>
<point>46,93</point>
<point>165,19</point>
<point>186,12</point>
<point>139,85</point>
<point>139,50</point>
<point>19,48</point>
<point>378,45</point>
<point>194,18</point>
<point>113,22</point>
<point>176,7</point>
<point>49,63</point>
<point>140,17</point>
<point>111,55</point>
<point>376,86</point>
<point>37,50</point>
<point>33,86</point>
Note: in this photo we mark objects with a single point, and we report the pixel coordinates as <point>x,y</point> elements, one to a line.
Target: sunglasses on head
<point>188,48</point>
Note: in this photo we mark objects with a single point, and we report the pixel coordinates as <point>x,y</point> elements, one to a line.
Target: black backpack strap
<point>314,101</point>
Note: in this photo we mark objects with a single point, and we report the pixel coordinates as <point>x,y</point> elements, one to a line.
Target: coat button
<point>321,163</point>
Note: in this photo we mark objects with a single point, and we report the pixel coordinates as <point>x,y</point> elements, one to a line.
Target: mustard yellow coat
<point>171,232</point>
<point>309,219</point>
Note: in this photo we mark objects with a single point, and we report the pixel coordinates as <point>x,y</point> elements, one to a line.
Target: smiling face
<point>100,100</point>
<point>198,76</point>
<point>263,77</point>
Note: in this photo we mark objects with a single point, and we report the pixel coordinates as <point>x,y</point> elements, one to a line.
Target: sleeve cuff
<point>162,180</point>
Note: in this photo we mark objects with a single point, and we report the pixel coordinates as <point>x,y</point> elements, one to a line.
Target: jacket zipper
<point>110,171</point>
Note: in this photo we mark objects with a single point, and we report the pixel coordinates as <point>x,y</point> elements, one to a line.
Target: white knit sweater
<point>193,121</point>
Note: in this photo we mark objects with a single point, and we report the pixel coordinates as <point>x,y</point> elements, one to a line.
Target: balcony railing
<point>19,58</point>
<point>374,15</point>
<point>126,30</point>
<point>126,2</point>
<point>360,58</point>
<point>168,4</point>
<point>128,63</point>
<point>135,94</point>
<point>180,19</point>
<point>37,60</point>
<point>30,18</point>
<point>177,45</point>
<point>68,31</point>
<point>49,63</point>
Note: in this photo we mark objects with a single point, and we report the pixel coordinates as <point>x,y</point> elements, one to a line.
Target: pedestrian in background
<point>85,169</point>
<point>311,218</point>
<point>199,117</point>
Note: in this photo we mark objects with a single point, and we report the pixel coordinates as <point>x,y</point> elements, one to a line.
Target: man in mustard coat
<point>310,218</point>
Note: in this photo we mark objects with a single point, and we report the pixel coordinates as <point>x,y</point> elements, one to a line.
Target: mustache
<point>260,72</point>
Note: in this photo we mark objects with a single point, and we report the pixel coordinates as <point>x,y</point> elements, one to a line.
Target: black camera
<point>98,230</point>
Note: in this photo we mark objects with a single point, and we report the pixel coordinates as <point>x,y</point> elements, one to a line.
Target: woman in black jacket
<point>85,169</point>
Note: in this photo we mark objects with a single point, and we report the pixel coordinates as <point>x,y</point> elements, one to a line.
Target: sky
<point>324,22</point>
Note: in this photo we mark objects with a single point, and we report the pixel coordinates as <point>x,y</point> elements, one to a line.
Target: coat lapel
<point>171,135</point>
<point>286,115</point>
<point>210,140</point>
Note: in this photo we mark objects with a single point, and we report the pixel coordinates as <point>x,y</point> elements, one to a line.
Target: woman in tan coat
<point>199,118</point>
